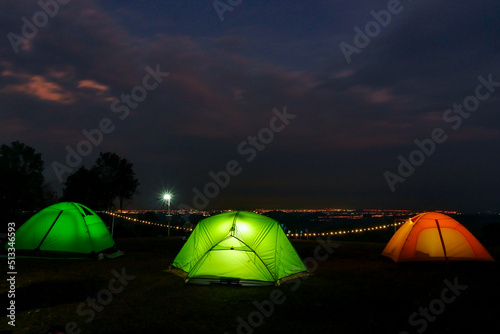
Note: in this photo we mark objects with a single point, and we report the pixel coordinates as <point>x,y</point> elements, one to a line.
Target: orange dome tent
<point>433,236</point>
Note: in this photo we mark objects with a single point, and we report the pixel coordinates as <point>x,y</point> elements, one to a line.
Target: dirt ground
<point>352,289</point>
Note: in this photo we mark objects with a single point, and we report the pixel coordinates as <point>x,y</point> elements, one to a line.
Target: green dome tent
<point>241,248</point>
<point>65,229</point>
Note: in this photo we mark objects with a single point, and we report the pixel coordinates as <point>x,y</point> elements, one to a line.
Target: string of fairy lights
<point>146,222</point>
<point>288,234</point>
<point>339,232</point>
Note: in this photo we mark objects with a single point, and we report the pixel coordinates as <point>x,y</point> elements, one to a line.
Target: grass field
<point>353,290</point>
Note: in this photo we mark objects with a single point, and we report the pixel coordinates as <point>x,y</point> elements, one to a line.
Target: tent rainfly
<point>433,236</point>
<point>68,230</point>
<point>240,248</point>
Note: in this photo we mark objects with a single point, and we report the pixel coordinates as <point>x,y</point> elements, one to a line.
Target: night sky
<point>348,119</point>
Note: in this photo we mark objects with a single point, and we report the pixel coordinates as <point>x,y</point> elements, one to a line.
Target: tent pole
<point>442,241</point>
<point>112,225</point>
<point>46,234</point>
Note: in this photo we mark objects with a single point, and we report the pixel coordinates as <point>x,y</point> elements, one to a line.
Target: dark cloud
<point>225,78</point>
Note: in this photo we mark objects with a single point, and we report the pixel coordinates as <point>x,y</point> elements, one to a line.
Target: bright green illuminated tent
<point>64,230</point>
<point>238,248</point>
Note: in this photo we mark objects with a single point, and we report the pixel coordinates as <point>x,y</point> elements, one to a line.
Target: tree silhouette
<point>84,186</point>
<point>21,179</point>
<point>112,177</point>
<point>118,178</point>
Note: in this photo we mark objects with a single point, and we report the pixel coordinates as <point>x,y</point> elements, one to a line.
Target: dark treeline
<point>23,189</point>
<point>111,178</point>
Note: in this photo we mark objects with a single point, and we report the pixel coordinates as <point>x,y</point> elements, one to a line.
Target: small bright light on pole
<point>167,198</point>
